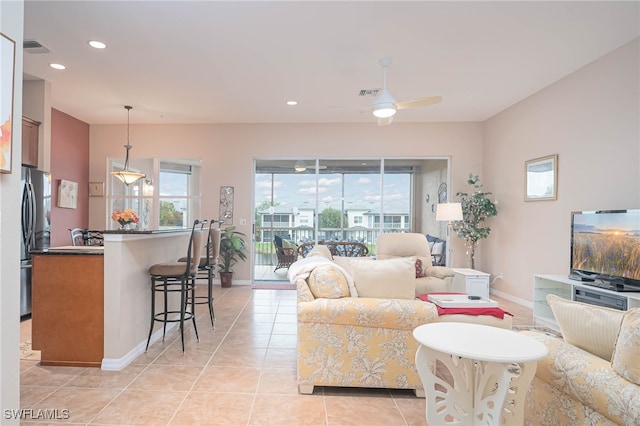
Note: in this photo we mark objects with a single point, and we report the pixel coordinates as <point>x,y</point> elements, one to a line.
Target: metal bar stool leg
<point>193,306</point>
<point>182,313</point>
<point>210,297</point>
<point>166,306</point>
<point>153,312</point>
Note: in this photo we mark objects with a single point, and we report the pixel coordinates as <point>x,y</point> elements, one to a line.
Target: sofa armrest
<point>441,272</point>
<point>303,292</point>
<point>397,314</point>
<point>587,379</point>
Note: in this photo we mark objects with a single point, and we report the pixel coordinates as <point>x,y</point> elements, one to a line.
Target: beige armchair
<point>433,278</point>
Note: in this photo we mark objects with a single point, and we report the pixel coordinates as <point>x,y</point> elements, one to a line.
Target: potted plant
<point>233,248</point>
<point>476,208</point>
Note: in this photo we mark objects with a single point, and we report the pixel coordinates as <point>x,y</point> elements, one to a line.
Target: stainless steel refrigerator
<point>36,226</point>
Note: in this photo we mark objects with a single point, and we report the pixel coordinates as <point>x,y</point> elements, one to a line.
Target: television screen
<point>607,244</point>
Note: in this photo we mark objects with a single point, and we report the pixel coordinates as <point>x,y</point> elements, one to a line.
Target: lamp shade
<point>449,212</point>
<point>127,177</point>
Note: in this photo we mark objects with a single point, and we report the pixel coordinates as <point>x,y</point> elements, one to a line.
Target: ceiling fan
<point>385,106</point>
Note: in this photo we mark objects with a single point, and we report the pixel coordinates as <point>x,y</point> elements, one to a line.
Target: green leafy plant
<point>233,248</point>
<point>476,208</point>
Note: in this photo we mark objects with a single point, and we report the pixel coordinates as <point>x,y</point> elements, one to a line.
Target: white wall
<point>591,120</point>
<point>11,24</point>
<point>227,153</point>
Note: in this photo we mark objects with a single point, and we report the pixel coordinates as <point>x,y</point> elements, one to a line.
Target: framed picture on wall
<point>68,194</point>
<point>541,178</point>
<point>226,204</point>
<point>7,75</point>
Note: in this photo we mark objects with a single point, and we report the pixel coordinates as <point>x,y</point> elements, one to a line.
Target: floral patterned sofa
<point>358,341</point>
<point>591,375</point>
<point>356,317</point>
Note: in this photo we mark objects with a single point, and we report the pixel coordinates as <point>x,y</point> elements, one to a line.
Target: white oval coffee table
<point>475,374</point>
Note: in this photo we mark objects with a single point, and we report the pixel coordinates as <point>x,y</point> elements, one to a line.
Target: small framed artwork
<point>68,194</point>
<point>541,179</point>
<point>226,204</point>
<point>96,189</point>
<point>7,75</point>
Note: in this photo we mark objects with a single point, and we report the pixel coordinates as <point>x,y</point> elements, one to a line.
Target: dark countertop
<point>143,231</point>
<point>71,251</point>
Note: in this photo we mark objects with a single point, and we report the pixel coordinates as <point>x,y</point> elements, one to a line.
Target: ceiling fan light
<point>385,105</point>
<point>299,166</point>
<point>384,110</point>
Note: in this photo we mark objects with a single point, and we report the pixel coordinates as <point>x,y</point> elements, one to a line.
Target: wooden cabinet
<point>68,309</point>
<point>30,139</point>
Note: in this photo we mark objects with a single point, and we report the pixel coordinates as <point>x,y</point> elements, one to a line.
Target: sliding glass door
<point>300,200</point>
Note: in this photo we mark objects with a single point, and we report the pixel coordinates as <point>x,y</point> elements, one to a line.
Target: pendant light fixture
<point>125,175</point>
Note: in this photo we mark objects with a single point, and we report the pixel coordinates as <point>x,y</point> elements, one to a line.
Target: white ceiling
<point>239,62</point>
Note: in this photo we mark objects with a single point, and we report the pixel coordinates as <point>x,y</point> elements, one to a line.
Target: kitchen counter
<point>127,305</point>
<point>91,304</point>
<point>71,250</point>
<point>142,231</point>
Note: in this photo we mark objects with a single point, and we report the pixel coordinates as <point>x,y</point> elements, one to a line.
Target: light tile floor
<point>241,373</point>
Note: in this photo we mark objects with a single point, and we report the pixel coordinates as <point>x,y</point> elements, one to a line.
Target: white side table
<point>471,281</point>
<point>483,373</point>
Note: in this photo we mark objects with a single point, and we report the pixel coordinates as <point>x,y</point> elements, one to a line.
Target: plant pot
<point>226,279</point>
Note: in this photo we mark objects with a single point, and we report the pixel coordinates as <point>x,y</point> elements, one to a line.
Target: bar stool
<point>207,266</point>
<point>176,277</point>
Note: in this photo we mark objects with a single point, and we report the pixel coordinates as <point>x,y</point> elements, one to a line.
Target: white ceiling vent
<point>369,92</point>
<point>32,46</point>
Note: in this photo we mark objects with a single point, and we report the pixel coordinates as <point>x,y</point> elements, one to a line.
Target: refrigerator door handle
<point>28,217</point>
<point>26,220</point>
<point>33,213</point>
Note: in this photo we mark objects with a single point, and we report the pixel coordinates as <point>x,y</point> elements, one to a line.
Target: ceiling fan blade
<point>385,121</point>
<point>418,103</point>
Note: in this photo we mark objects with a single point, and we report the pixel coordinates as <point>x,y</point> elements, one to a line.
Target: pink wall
<point>69,161</point>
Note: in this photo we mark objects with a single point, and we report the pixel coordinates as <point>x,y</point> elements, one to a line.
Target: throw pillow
<point>289,244</point>
<point>326,281</point>
<point>345,262</point>
<point>438,248</point>
<point>589,327</point>
<point>385,279</point>
<point>626,355</point>
<point>418,268</point>
<point>426,263</point>
<point>321,251</point>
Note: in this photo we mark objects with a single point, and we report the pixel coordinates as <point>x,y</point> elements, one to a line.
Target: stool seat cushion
<point>171,269</point>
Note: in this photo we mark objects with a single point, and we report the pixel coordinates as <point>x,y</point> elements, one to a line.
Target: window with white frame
<point>168,197</point>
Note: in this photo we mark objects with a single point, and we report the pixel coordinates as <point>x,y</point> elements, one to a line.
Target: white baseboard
<point>118,364</point>
<point>512,298</point>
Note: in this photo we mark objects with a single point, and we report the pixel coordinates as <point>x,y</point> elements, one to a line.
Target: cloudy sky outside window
<point>361,191</point>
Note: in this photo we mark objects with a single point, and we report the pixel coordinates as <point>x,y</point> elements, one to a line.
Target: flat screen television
<point>605,248</point>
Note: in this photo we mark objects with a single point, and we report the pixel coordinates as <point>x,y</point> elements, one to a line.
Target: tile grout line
<point>212,355</point>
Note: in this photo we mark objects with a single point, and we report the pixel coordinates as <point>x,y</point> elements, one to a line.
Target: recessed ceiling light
<point>97,44</point>
<point>58,66</point>
<point>292,103</point>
